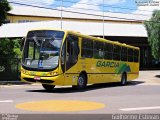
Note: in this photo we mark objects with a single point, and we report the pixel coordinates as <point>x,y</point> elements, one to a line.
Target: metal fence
<point>10,69</point>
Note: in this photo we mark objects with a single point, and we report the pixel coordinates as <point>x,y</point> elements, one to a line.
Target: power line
<point>55,5</point>
<point>106,11</point>
<point>132,20</point>
<point>69,11</point>
<point>93,4</point>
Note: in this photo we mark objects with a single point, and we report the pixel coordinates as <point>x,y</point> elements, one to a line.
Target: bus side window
<point>108,51</point>
<point>136,55</point>
<point>130,55</point>
<point>87,48</point>
<point>116,52</point>
<point>124,54</point>
<point>98,50</point>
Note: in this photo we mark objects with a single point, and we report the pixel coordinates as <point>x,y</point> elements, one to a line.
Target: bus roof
<point>90,37</point>
<point>101,39</point>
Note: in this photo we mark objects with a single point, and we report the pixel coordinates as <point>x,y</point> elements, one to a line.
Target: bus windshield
<point>42,48</point>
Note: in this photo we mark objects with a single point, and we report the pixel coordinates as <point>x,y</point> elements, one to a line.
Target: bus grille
<point>41,81</point>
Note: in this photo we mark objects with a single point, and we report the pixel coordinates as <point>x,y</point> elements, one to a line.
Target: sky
<point>143,7</point>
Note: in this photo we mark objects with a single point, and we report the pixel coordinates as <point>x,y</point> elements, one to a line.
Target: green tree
<point>9,49</point>
<point>153,31</point>
<point>4,8</point>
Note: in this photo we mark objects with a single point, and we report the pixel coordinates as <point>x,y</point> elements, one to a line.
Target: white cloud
<point>35,2</point>
<point>111,2</point>
<point>86,4</point>
<point>93,4</point>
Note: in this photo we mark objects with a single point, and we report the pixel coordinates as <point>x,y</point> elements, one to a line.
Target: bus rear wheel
<point>48,87</point>
<point>81,83</point>
<point>123,79</point>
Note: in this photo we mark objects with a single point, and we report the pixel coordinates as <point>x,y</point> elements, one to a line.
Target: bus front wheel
<point>48,87</point>
<point>123,79</point>
<point>81,83</point>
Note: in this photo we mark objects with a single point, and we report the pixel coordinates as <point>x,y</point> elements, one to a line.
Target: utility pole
<point>103,19</point>
<point>61,13</point>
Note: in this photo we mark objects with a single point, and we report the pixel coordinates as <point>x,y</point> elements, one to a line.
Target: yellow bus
<point>59,57</point>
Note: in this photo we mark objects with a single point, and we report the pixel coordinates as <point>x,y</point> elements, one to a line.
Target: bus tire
<point>81,83</point>
<point>123,79</point>
<point>48,87</point>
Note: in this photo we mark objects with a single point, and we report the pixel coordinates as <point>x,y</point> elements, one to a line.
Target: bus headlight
<point>23,71</point>
<point>53,73</point>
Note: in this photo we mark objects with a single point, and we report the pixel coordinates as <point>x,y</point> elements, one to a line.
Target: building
<point>125,28</point>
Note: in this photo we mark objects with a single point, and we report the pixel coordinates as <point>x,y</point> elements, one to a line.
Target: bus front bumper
<point>52,80</point>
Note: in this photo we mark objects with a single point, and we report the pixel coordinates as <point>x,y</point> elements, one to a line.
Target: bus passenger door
<point>72,51</point>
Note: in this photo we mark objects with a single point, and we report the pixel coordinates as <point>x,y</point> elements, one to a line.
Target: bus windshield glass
<point>42,49</point>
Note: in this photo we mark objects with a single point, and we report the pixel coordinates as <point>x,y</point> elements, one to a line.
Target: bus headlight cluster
<point>53,73</point>
<point>23,71</point>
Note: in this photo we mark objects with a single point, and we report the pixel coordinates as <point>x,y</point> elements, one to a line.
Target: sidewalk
<point>13,83</point>
<point>151,77</point>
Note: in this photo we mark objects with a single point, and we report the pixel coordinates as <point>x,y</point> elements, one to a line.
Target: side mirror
<point>22,43</point>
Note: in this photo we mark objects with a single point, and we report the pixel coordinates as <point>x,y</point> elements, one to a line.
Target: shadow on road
<point>158,76</point>
<point>88,88</point>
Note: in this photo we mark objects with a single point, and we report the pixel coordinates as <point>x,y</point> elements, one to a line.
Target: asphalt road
<point>135,97</point>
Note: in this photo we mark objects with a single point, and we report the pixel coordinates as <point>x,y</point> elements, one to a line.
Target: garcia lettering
<point>107,64</point>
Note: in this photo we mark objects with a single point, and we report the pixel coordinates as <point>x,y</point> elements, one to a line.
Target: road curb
<point>13,83</point>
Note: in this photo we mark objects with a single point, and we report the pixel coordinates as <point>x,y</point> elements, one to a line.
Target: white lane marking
<point>141,108</point>
<point>6,101</point>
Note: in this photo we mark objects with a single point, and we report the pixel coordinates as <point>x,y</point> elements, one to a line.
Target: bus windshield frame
<point>42,50</point>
